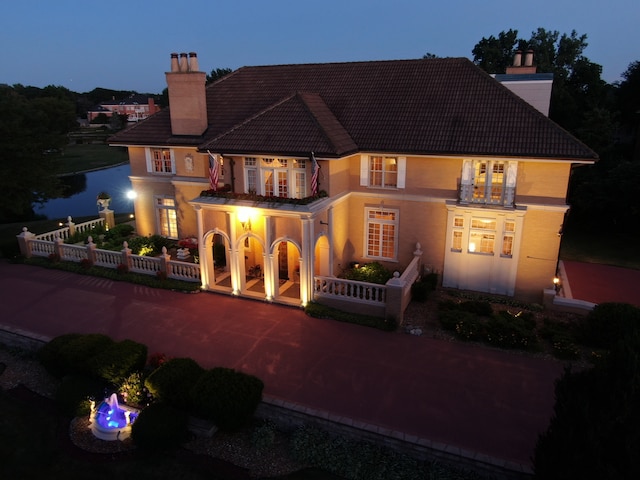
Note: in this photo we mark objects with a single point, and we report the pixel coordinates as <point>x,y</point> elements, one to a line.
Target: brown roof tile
<point>428,106</point>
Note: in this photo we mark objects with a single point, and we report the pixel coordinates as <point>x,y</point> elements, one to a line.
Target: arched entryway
<point>252,265</point>
<point>286,271</point>
<point>322,257</point>
<point>217,261</point>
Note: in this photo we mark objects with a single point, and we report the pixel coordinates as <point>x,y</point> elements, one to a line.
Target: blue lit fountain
<point>111,421</point>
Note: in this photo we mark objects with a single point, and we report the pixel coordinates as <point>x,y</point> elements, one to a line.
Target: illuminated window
<point>488,182</point>
<point>281,177</point>
<point>456,239</point>
<point>507,238</point>
<point>383,172</point>
<point>382,233</point>
<point>482,235</point>
<point>167,218</point>
<point>160,160</point>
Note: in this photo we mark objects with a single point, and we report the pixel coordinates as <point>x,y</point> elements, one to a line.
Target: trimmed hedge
<point>171,381</point>
<point>609,323</point>
<point>226,397</point>
<point>70,353</point>
<point>118,360</point>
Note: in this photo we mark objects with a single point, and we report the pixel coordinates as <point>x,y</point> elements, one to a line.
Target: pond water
<point>83,190</point>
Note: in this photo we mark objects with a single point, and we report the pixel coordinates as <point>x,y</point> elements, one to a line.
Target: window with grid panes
<point>161,161</point>
<point>382,233</point>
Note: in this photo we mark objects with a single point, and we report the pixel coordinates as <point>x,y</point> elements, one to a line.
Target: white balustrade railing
<point>90,225</point>
<point>189,272</point>
<point>107,258</point>
<point>73,253</point>
<point>363,292</point>
<point>144,265</point>
<point>62,233</point>
<point>42,248</point>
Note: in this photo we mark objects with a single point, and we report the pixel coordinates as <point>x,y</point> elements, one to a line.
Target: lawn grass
<point>616,249</point>
<point>85,157</point>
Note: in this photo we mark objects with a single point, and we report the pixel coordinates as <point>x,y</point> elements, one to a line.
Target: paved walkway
<point>449,394</point>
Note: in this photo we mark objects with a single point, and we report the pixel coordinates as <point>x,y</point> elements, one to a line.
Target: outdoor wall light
<point>244,216</point>
<point>556,283</point>
<point>131,194</point>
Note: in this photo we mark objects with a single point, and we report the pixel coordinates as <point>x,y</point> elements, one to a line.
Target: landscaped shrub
<point>451,319</point>
<point>118,361</point>
<point>479,307</point>
<point>561,336</point>
<point>160,428</point>
<point>75,392</point>
<point>593,433</point>
<point>609,323</point>
<point>134,392</point>
<point>119,232</point>
<point>373,272</point>
<point>171,382</point>
<point>226,397</point>
<point>70,353</point>
<point>317,310</point>
<point>420,291</point>
<point>506,330</point>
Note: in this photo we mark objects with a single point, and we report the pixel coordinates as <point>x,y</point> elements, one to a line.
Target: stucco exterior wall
<point>542,180</point>
<point>539,252</point>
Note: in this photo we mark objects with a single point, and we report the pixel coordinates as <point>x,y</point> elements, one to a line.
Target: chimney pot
<point>528,59</point>
<point>517,59</point>
<point>193,62</point>
<point>184,62</point>
<point>174,62</point>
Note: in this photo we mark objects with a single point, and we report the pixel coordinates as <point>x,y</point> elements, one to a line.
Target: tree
<point>494,55</point>
<point>217,74</point>
<point>30,126</point>
<point>628,102</point>
<point>577,86</point>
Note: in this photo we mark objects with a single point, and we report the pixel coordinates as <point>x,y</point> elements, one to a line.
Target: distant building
<point>135,107</point>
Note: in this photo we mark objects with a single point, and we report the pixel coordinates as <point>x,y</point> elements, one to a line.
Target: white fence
<point>51,245</point>
<point>358,292</point>
<point>389,300</point>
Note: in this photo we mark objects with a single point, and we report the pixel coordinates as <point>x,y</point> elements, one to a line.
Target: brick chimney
<point>518,67</point>
<point>187,97</point>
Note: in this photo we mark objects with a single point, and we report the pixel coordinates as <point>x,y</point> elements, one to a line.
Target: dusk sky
<point>126,45</point>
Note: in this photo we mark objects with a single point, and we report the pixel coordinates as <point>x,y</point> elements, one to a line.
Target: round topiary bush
<point>160,427</point>
<point>171,381</point>
<point>226,397</point>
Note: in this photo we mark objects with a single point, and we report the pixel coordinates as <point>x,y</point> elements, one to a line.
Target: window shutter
<point>173,161</point>
<point>364,170</point>
<point>402,171</point>
<point>147,154</point>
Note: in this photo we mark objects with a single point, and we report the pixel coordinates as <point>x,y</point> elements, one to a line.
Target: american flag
<point>314,175</point>
<point>214,171</point>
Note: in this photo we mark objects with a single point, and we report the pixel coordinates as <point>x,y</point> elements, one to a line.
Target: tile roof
<point>429,106</point>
